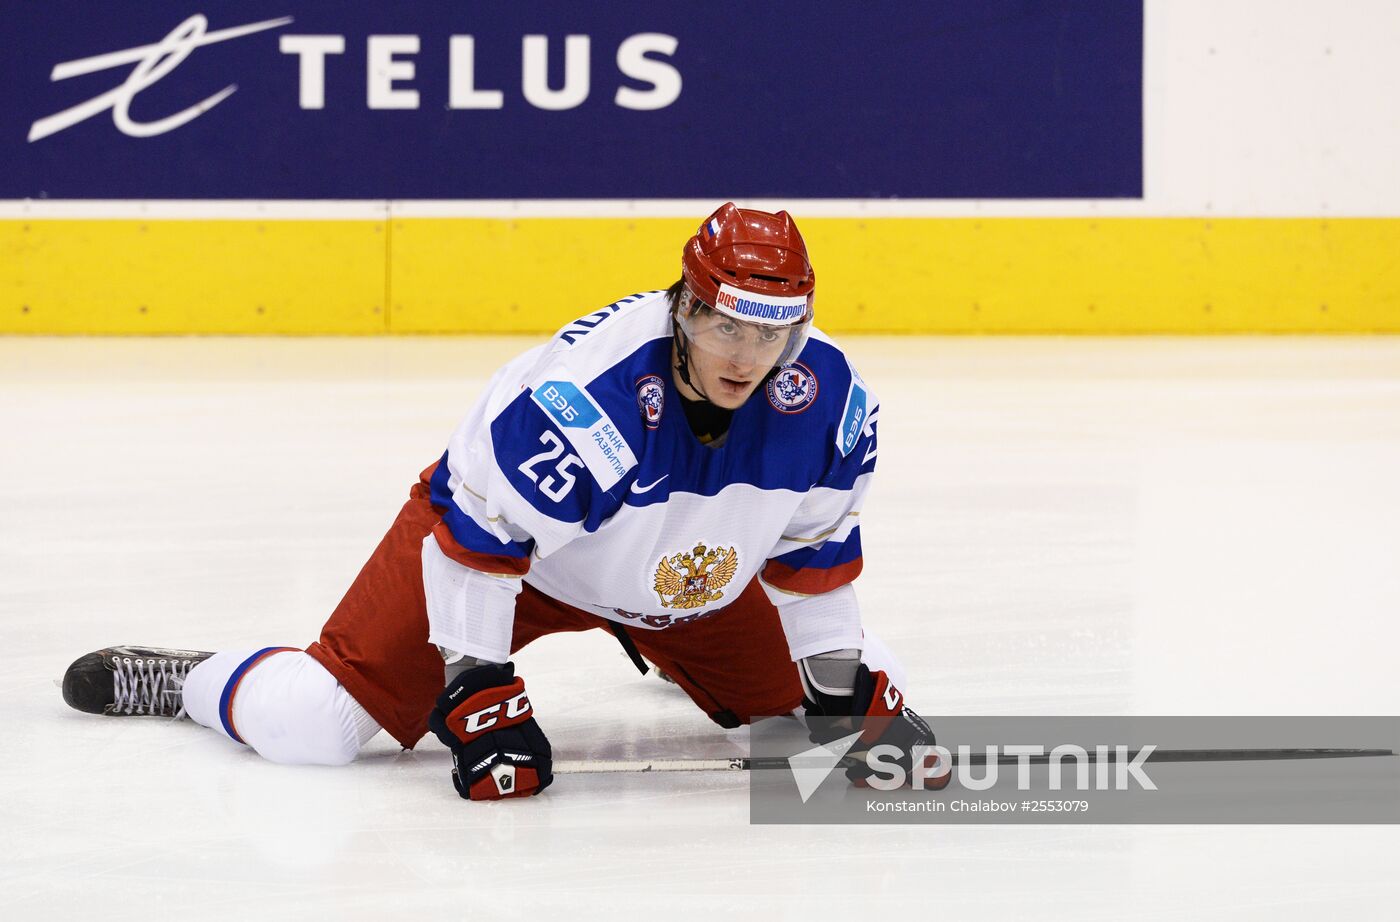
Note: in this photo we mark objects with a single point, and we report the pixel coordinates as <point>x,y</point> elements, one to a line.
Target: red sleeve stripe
<point>811,581</point>
<point>498,564</point>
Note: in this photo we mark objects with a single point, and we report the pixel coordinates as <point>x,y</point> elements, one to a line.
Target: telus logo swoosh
<point>152,62</point>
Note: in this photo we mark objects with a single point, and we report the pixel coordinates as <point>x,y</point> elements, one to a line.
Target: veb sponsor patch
<point>853,420</point>
<point>588,428</point>
<point>569,407</point>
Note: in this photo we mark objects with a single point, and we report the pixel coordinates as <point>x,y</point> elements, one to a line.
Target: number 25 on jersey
<point>555,485</point>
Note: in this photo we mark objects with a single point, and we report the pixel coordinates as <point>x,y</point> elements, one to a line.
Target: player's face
<point>729,358</point>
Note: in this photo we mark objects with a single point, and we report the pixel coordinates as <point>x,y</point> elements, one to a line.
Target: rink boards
<point>957,167</point>
<point>373,273</point>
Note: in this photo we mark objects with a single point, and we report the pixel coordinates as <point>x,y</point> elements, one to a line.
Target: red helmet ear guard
<point>754,251</point>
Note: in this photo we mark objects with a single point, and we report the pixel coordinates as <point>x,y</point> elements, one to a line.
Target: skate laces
<point>150,685</point>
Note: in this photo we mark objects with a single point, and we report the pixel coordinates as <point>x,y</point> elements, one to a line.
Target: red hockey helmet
<point>754,251</point>
<point>750,266</point>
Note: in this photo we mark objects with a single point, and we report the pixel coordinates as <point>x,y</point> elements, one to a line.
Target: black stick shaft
<point>1159,756</point>
<point>588,766</point>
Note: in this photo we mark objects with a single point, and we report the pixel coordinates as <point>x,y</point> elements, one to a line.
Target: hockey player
<point>684,468</point>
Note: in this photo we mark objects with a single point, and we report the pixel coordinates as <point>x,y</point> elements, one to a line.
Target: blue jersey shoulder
<point>533,452</point>
<point>821,403</point>
<point>602,412</point>
<point>821,393</point>
<point>569,442</point>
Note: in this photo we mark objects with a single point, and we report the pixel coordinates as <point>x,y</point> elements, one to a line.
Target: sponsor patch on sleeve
<point>588,428</point>
<point>853,419</point>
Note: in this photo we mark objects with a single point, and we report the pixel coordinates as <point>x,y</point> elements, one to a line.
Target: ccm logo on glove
<point>498,749</point>
<point>476,719</point>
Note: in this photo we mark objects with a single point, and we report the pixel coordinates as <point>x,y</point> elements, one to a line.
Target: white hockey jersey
<point>578,473</point>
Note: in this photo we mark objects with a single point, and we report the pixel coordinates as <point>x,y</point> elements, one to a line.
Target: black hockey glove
<point>877,708</point>
<point>498,751</point>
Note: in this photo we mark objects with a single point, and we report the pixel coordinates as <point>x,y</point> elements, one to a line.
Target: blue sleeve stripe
<point>234,680</point>
<point>473,537</point>
<point>831,554</point>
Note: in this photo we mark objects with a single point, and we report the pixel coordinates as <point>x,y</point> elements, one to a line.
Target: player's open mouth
<point>734,384</point>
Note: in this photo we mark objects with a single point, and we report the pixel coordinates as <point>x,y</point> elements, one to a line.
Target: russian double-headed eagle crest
<point>693,579</point>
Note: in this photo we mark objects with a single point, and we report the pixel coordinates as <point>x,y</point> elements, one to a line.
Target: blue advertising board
<point>289,99</point>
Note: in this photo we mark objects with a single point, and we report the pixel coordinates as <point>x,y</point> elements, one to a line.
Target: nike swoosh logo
<point>647,489</point>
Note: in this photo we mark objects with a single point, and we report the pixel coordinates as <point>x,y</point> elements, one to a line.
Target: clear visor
<point>742,345</point>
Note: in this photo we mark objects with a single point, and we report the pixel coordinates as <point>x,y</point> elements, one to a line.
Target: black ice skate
<point>130,681</point>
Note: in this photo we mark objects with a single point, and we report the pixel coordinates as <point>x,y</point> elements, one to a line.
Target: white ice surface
<point>1073,526</point>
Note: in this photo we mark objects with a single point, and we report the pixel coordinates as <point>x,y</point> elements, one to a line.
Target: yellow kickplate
<point>143,277</point>
<point>911,275</point>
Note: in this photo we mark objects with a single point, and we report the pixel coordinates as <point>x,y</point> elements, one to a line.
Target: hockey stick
<point>741,764</point>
